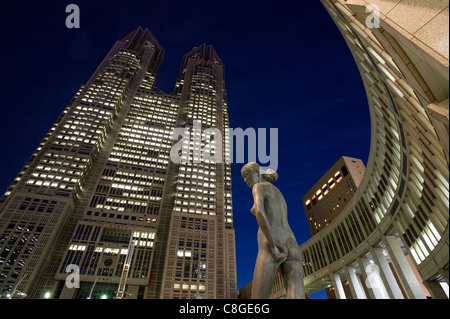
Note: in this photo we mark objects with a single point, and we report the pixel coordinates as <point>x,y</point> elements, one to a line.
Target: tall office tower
<point>99,198</point>
<point>332,192</point>
<point>200,255</point>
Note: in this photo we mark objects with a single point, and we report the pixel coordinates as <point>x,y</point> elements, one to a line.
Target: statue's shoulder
<point>262,187</point>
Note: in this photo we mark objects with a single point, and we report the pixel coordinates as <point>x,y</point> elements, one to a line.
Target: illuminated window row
<point>92,110</point>
<point>168,124</point>
<point>202,211</point>
<point>324,190</point>
<point>198,204</point>
<point>137,180</point>
<point>204,169</point>
<point>138,157</point>
<point>151,112</point>
<point>87,125</point>
<point>141,151</point>
<point>198,197</point>
<point>142,129</point>
<point>150,235</point>
<point>145,134</point>
<point>118,217</point>
<point>77,247</point>
<point>45,176</point>
<point>200,177</point>
<point>150,142</point>
<point>187,286</point>
<point>150,162</point>
<point>154,100</point>
<point>133,177</point>
<point>123,201</point>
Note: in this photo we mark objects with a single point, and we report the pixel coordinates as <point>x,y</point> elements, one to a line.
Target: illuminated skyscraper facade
<point>101,201</point>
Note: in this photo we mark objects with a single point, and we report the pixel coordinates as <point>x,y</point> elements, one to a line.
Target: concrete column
<point>354,283</point>
<point>369,292</point>
<point>445,288</point>
<point>386,271</point>
<point>338,288</point>
<point>435,289</point>
<point>444,274</point>
<point>374,282</point>
<point>407,276</point>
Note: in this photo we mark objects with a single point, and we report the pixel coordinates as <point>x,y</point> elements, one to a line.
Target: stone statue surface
<point>277,246</point>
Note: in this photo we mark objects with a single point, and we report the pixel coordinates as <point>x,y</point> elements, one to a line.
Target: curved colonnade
<point>397,221</point>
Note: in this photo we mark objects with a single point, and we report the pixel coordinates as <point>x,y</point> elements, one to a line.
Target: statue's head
<point>253,173</point>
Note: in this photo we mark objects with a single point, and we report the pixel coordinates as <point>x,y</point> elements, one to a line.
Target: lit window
<point>331,183</point>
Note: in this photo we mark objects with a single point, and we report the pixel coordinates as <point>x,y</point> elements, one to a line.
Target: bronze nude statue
<point>277,246</point>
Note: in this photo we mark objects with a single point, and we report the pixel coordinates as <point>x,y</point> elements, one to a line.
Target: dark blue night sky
<point>286,67</point>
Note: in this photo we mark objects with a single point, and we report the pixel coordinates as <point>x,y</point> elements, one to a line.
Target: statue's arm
<point>260,213</point>
<point>259,194</point>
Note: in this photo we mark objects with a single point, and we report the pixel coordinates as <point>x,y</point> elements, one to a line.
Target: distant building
<point>328,197</point>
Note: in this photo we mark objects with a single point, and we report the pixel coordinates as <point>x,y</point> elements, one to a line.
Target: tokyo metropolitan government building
<point>101,201</point>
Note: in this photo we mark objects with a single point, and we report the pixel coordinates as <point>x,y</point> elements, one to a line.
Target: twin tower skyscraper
<point>100,211</point>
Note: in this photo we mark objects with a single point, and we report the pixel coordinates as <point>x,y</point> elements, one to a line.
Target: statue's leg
<point>293,279</point>
<point>265,270</point>
<point>264,275</point>
<point>292,271</point>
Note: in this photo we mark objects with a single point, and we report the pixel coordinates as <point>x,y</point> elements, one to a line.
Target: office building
<point>329,196</point>
<point>101,211</point>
